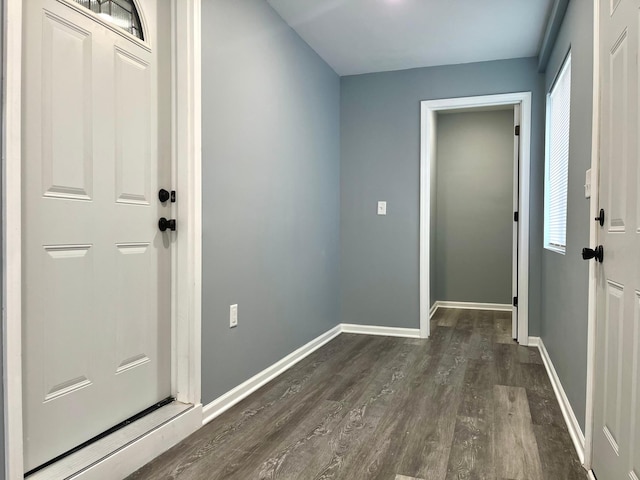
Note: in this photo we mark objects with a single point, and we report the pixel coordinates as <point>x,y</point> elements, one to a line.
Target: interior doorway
<point>495,274</point>
<point>474,191</point>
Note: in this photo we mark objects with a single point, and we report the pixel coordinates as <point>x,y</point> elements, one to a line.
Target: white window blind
<point>557,160</point>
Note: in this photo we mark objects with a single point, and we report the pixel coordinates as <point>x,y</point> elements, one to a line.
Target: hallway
<point>468,403</point>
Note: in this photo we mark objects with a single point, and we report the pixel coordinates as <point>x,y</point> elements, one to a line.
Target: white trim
<point>554,248</point>
<point>534,342</point>
<point>137,454</point>
<point>102,449</point>
<point>590,472</point>
<point>12,239</point>
<point>186,294</point>
<point>428,109</point>
<point>433,310</point>
<point>594,229</point>
<point>187,175</point>
<point>501,307</point>
<point>523,224</point>
<point>514,228</point>
<point>567,412</point>
<point>428,137</point>
<point>383,331</point>
<point>246,388</point>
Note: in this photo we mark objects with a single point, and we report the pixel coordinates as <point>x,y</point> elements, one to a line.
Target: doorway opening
<point>470,257</point>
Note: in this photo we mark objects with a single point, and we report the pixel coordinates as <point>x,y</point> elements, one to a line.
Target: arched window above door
<point>122,13</point>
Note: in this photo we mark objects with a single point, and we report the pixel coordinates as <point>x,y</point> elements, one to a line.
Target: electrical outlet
<point>382,208</point>
<point>233,316</point>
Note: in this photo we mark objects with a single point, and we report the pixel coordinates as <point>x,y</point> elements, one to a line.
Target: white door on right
<point>616,447</point>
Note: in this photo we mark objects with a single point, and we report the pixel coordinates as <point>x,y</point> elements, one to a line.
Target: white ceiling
<point>362,36</point>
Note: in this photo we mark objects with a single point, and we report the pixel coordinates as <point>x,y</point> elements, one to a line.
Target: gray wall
<point>565,278</point>
<point>380,141</point>
<point>474,214</point>
<point>271,166</point>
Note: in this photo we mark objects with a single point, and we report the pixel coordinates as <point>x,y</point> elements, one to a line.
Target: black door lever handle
<point>597,253</point>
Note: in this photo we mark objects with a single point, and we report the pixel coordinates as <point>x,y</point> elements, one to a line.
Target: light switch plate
<point>587,184</point>
<point>382,208</point>
<point>233,316</point>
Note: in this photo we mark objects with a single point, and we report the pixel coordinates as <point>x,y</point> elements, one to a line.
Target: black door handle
<point>597,253</point>
<point>163,195</point>
<point>164,224</point>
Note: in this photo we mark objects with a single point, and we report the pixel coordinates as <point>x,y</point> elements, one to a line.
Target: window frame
<point>136,28</point>
<point>547,244</point>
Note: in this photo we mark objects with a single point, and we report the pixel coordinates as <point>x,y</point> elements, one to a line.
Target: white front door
<point>616,441</point>
<point>96,279</point>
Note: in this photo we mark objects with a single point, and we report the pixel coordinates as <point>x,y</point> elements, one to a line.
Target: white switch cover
<point>382,208</point>
<point>233,316</point>
<point>587,184</point>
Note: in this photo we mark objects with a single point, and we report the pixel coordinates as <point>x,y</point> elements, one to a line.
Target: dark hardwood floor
<point>468,403</point>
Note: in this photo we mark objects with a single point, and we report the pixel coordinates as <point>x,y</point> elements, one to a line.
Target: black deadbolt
<point>164,224</point>
<point>163,195</point>
<point>597,253</point>
<point>600,218</point>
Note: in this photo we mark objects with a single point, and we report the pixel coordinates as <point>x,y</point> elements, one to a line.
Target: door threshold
<point>77,462</point>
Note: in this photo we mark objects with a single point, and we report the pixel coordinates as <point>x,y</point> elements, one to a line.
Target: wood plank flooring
<point>468,403</point>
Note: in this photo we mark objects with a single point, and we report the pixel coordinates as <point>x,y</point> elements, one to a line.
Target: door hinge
<point>515,301</point>
<point>517,129</point>
<point>516,216</point>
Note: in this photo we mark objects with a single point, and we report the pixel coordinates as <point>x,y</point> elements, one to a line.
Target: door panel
<point>67,114</point>
<point>133,308</point>
<point>619,94</point>
<point>97,333</point>
<point>133,149</point>
<point>613,363</point>
<point>66,356</point>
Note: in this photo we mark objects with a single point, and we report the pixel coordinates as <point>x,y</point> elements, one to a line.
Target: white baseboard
<point>229,399</point>
<point>502,307</point>
<point>433,309</point>
<point>577,436</point>
<point>127,460</point>
<point>384,331</point>
<point>534,342</point>
<point>591,475</point>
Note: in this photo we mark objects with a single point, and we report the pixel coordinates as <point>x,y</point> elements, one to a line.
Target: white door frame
<point>428,112</point>
<point>594,229</point>
<point>186,272</point>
